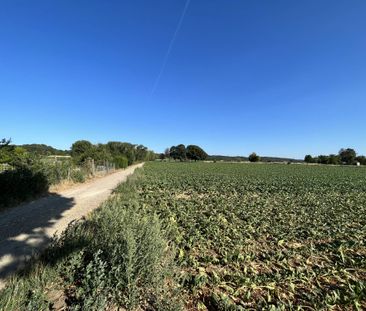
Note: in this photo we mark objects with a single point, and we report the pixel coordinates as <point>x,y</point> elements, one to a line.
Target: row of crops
<point>263,236</point>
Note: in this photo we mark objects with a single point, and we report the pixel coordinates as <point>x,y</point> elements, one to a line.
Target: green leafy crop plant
<point>263,236</point>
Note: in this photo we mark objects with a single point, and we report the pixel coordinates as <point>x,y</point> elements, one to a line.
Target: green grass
<point>212,236</point>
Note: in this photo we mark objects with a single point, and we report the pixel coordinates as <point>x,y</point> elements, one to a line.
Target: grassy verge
<point>118,257</point>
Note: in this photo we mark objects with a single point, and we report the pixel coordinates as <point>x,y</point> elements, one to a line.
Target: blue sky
<point>282,78</point>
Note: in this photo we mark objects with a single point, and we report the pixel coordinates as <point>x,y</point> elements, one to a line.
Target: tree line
<point>183,153</point>
<point>345,156</point>
<point>120,153</point>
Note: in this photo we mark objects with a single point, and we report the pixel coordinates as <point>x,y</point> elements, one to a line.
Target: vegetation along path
<point>30,227</point>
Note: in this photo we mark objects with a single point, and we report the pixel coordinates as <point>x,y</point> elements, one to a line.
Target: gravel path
<point>29,227</point>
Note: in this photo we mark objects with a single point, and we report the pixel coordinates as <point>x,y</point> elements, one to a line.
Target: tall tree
<point>347,156</point>
<point>195,153</point>
<point>82,150</point>
<point>309,159</point>
<point>178,152</point>
<point>253,157</point>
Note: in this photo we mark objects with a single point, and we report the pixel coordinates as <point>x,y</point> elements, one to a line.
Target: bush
<point>126,263</point>
<point>55,172</point>
<point>121,161</point>
<point>77,175</point>
<point>20,185</point>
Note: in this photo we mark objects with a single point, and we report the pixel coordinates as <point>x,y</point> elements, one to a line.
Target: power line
<point>157,80</point>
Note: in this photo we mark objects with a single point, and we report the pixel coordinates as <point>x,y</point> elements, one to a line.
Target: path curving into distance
<point>29,227</point>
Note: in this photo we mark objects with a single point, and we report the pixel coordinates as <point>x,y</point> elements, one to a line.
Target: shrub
<point>120,161</point>
<point>127,263</point>
<point>77,175</point>
<point>55,172</point>
<point>20,185</point>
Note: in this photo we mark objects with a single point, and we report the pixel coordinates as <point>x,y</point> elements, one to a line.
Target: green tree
<point>167,153</point>
<point>333,159</point>
<point>347,156</point>
<point>100,153</point>
<point>253,157</point>
<point>178,152</point>
<point>309,159</point>
<point>82,150</point>
<point>195,153</point>
<point>4,142</point>
<point>323,159</point>
<point>141,153</point>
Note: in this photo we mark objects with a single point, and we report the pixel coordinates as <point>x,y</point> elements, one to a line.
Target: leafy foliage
<point>83,150</point>
<point>4,142</point>
<point>347,156</point>
<point>180,152</point>
<point>20,185</point>
<point>253,157</point>
<point>272,237</point>
<point>42,149</point>
<point>195,153</point>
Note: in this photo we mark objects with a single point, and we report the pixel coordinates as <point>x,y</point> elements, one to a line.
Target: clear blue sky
<point>282,78</point>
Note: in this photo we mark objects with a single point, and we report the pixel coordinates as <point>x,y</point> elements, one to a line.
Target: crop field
<point>211,236</point>
<point>264,236</point>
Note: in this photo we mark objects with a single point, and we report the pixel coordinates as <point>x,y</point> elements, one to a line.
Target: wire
<point>157,80</point>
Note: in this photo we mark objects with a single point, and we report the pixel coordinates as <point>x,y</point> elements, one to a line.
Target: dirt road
<point>29,227</point>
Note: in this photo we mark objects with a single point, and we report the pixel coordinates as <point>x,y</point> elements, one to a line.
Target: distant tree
<point>309,159</point>
<point>141,153</point>
<point>182,153</point>
<point>333,159</point>
<point>4,142</point>
<point>195,153</point>
<point>42,149</point>
<point>253,157</point>
<point>100,153</point>
<point>178,152</point>
<point>167,153</point>
<point>347,156</point>
<point>323,159</point>
<point>5,151</point>
<point>81,150</point>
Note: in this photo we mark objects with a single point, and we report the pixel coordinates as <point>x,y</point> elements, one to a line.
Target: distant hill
<point>241,159</point>
<point>42,149</point>
<point>227,158</point>
<point>277,159</point>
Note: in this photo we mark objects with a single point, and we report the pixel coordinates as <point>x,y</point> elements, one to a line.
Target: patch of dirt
<point>57,299</point>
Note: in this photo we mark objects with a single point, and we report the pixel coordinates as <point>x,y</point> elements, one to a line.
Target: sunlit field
<point>262,235</point>
<point>211,236</point>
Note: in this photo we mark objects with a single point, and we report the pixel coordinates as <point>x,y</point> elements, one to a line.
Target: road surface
<point>29,227</point>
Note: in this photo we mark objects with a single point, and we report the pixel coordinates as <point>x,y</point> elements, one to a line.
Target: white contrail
<point>170,47</point>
